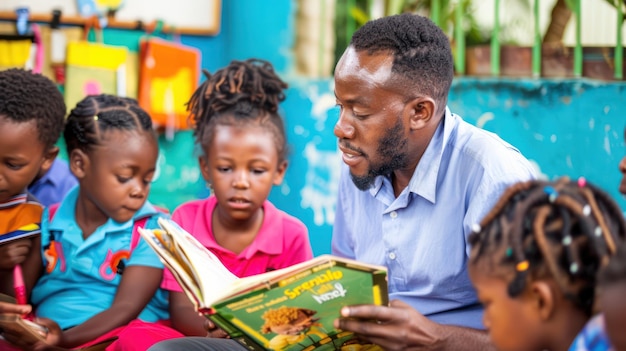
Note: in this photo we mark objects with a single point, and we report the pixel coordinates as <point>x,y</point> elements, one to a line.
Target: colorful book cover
<point>292,308</point>
<point>297,312</point>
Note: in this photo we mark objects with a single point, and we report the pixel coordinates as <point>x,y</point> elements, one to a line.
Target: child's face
<point>21,156</point>
<point>242,165</point>
<point>115,177</point>
<point>511,322</point>
<point>614,309</point>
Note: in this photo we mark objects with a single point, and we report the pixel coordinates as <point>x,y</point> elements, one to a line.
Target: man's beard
<point>392,147</point>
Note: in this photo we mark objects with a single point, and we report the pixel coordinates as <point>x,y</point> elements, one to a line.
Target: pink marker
<point>20,289</point>
<point>18,285</point>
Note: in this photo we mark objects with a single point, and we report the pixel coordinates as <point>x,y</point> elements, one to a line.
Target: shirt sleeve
<point>493,183</point>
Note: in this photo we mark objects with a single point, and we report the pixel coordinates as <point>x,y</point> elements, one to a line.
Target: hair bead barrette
<point>573,267</point>
<point>598,232</point>
<point>551,192</point>
<point>95,118</point>
<point>567,240</point>
<point>586,210</point>
<point>476,228</point>
<point>522,266</point>
<point>582,182</point>
<point>508,252</point>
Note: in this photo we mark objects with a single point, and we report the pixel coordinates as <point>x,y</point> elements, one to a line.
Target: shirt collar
<point>269,238</point>
<point>65,216</point>
<point>15,200</point>
<point>48,176</point>
<point>424,179</point>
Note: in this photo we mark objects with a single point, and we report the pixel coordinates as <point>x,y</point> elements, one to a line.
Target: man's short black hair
<point>26,96</point>
<point>421,51</point>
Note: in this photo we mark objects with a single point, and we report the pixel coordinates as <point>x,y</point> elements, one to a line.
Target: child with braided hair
<point>534,261</point>
<point>100,278</point>
<point>243,154</point>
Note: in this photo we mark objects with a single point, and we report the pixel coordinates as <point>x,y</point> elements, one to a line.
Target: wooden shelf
<point>112,23</point>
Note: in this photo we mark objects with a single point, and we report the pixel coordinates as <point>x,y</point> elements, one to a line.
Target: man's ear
<point>543,295</point>
<point>280,173</point>
<point>421,111</point>
<point>48,158</point>
<point>79,162</point>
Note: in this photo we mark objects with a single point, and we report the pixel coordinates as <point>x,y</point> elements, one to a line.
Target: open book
<point>287,309</point>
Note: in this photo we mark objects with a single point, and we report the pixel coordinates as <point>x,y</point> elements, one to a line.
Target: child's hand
<point>6,307</point>
<point>14,253</point>
<point>213,331</point>
<point>54,337</point>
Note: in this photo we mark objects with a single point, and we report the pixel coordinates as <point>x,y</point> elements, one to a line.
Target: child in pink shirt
<point>243,144</point>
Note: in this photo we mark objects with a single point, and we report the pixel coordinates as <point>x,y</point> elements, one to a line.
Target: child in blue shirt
<point>100,278</point>
<point>534,262</point>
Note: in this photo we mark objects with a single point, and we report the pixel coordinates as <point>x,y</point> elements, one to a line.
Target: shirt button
<point>393,214</point>
<point>392,256</point>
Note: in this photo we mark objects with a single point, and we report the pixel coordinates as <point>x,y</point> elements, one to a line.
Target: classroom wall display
<point>186,16</point>
<point>168,75</point>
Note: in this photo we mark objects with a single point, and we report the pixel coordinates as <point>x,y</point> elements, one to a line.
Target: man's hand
<point>14,253</point>
<point>397,327</point>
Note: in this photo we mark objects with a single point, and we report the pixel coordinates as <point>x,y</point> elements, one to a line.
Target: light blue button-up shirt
<point>421,236</point>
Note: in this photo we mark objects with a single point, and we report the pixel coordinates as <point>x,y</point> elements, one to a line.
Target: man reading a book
<point>416,178</point>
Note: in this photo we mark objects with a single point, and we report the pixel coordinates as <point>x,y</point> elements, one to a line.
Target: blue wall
<point>567,127</point>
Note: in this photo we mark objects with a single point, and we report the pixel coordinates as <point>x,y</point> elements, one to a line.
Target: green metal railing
<point>436,11</point>
<point>536,50</point>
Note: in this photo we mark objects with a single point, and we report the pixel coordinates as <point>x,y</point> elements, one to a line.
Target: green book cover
<point>296,312</point>
<point>292,308</point>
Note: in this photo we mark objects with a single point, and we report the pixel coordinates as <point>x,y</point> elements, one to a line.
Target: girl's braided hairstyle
<point>244,92</point>
<point>96,114</point>
<point>565,229</point>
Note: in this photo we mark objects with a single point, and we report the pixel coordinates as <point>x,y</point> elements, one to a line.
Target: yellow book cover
<point>287,309</point>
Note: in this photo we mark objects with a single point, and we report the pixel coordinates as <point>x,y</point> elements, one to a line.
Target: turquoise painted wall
<point>567,127</point>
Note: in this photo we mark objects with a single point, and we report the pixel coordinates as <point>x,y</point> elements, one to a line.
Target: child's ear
<point>78,163</point>
<point>543,295</point>
<point>204,168</point>
<point>49,157</point>
<point>280,173</point>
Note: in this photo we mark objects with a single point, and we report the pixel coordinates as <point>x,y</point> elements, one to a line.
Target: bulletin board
<point>193,17</point>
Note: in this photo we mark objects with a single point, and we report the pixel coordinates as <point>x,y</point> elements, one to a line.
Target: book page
<point>200,273</point>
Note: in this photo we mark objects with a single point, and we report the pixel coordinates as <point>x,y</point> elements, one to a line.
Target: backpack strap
<point>134,239</point>
<point>52,210</point>
<point>141,223</point>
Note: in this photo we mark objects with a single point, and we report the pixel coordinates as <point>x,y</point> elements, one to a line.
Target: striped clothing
<point>20,217</point>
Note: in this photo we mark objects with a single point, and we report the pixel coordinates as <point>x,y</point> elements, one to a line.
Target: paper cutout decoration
<point>94,68</point>
<point>168,76</point>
